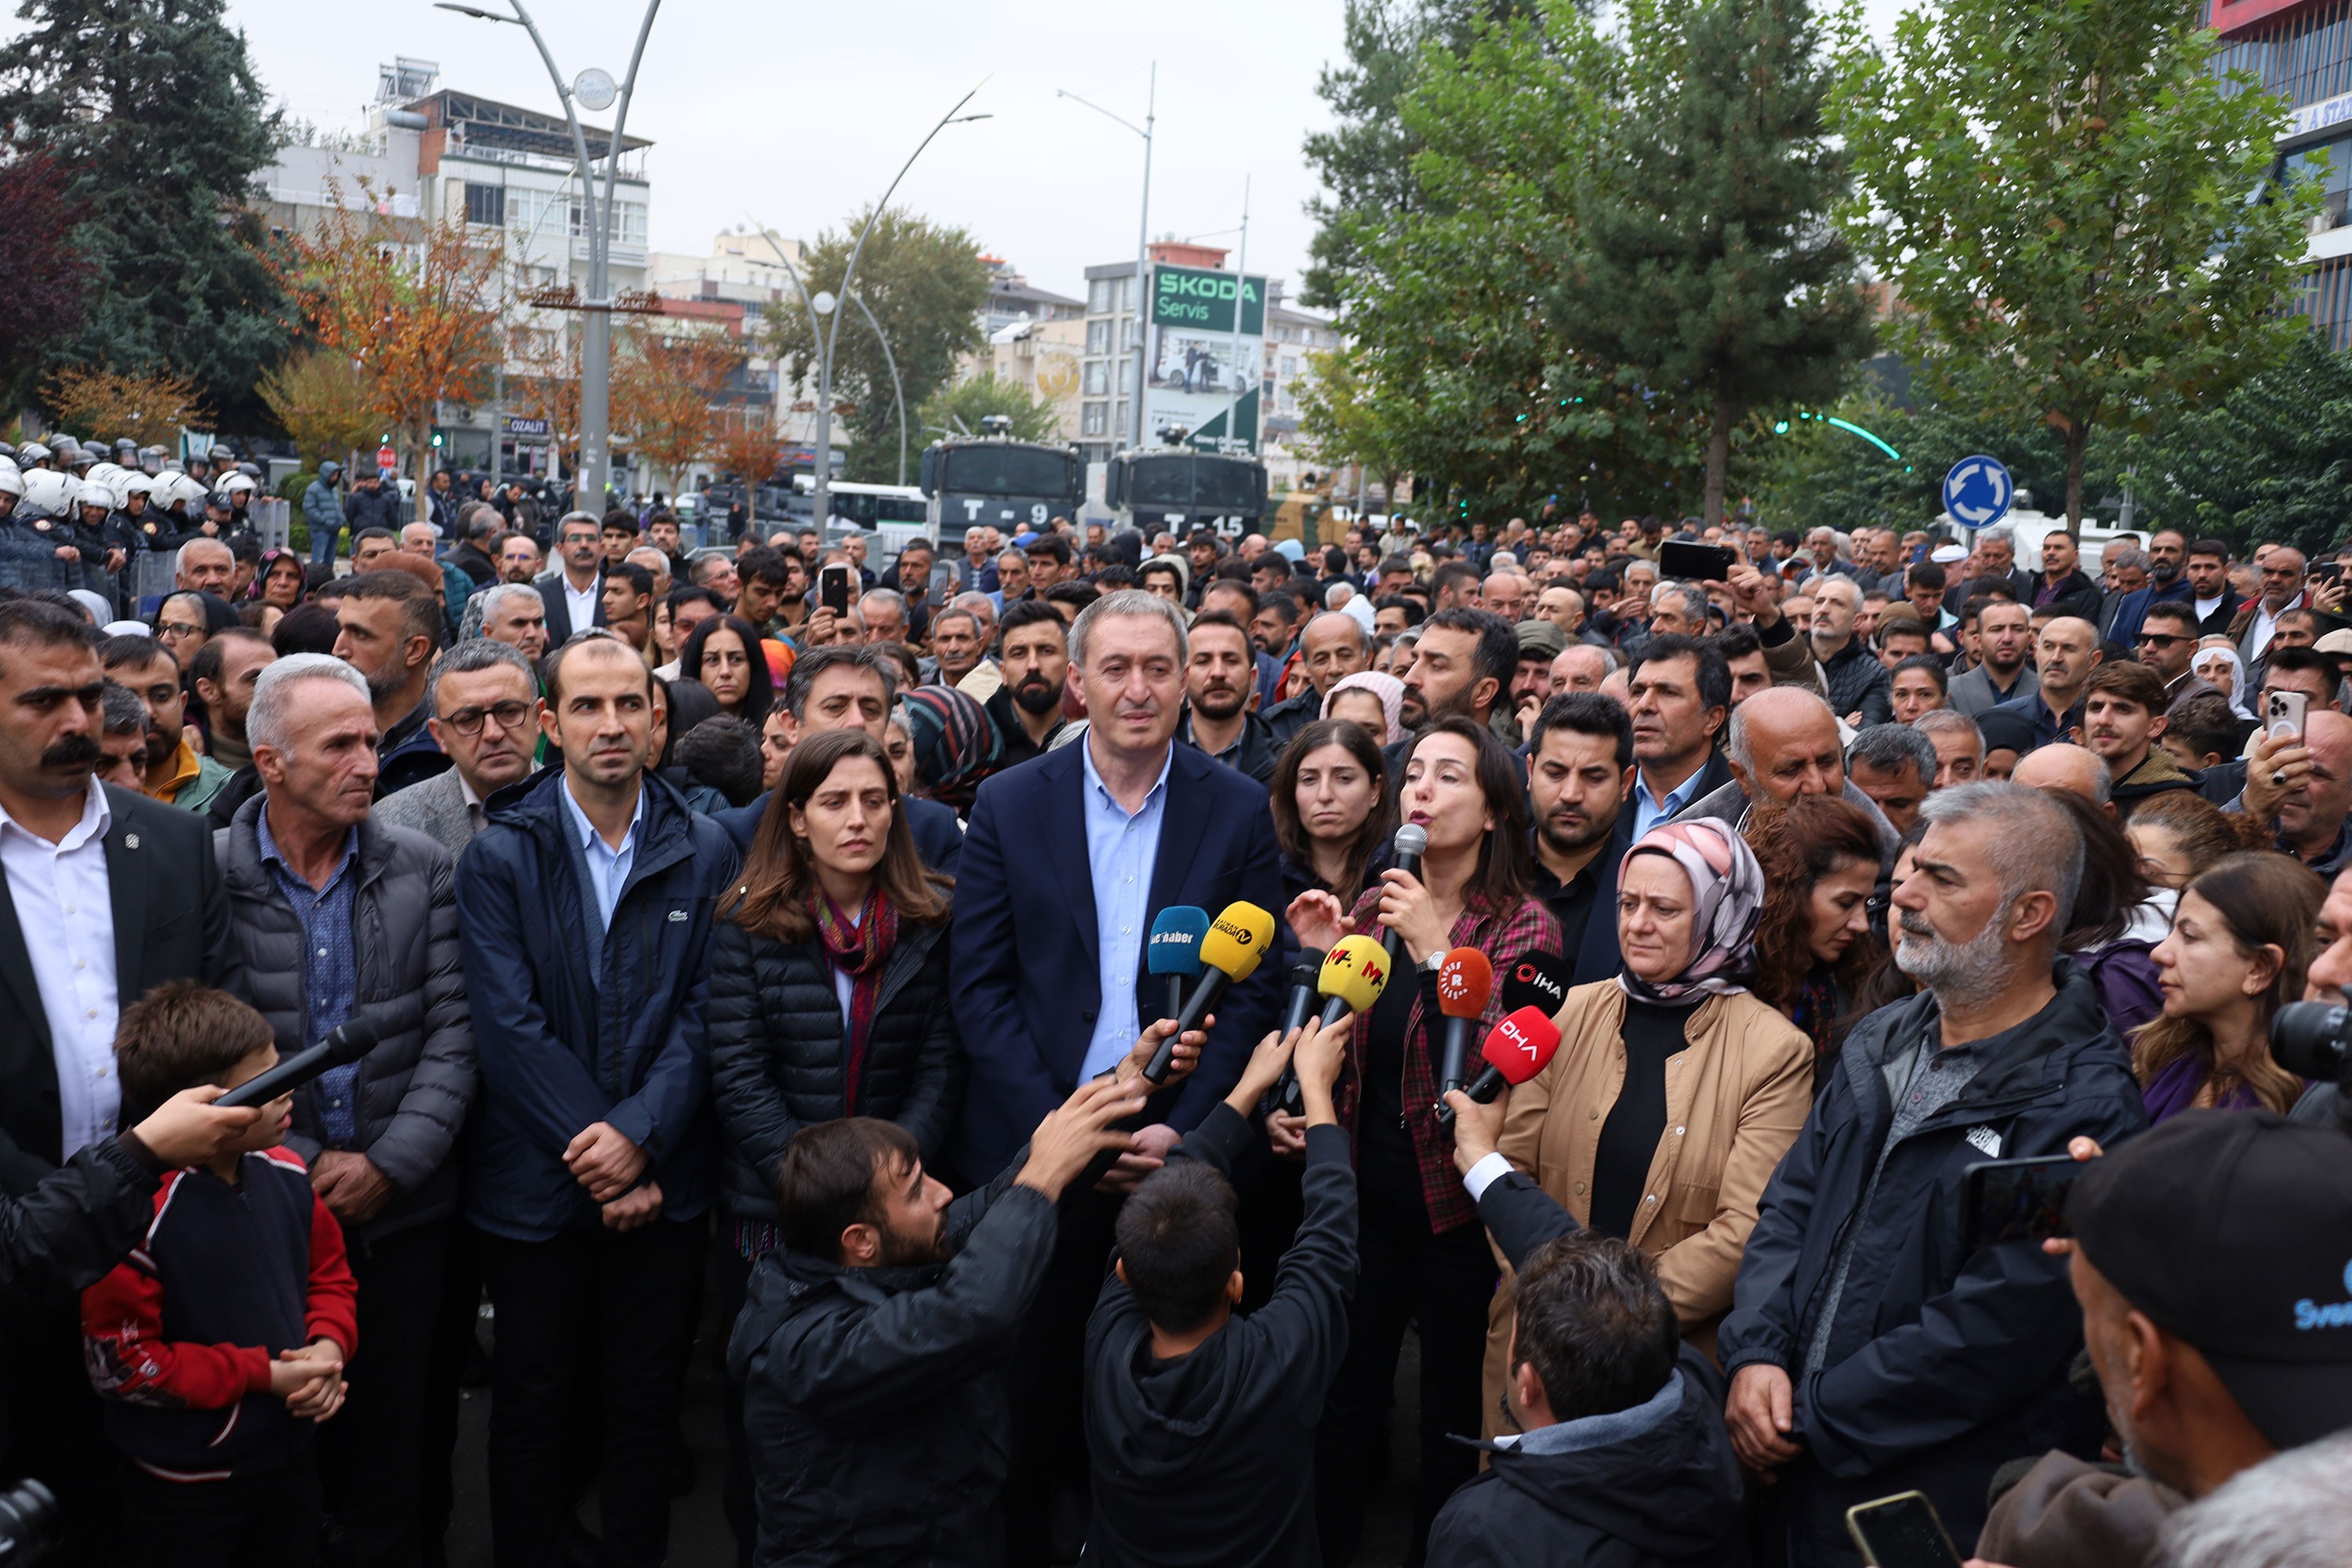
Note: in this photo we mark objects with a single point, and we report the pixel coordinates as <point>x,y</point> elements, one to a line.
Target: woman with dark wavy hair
<point>1333,813</point>
<point>1814,948</point>
<point>2239,950</point>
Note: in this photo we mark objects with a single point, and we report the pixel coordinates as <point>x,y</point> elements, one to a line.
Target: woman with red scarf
<point>828,995</point>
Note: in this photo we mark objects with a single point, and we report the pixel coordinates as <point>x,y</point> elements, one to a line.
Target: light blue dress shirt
<point>1648,811</point>
<point>1121,852</point>
<point>603,870</point>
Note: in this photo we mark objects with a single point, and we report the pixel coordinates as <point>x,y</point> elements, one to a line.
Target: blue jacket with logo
<point>1942,1362</point>
<point>561,1049</point>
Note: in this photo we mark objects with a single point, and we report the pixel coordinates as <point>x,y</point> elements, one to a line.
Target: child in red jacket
<point>223,1337</point>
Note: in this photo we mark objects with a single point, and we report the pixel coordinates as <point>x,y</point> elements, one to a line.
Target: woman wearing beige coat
<point>1675,1091</point>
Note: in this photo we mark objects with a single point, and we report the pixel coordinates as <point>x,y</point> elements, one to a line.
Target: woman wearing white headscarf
<point>2219,666</point>
<point>1676,1090</point>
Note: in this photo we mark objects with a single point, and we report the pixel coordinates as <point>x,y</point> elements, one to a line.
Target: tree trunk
<point>2078,442</point>
<point>419,443</point>
<point>1718,458</point>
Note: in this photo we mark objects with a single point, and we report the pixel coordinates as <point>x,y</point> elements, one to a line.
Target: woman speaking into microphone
<point>1676,1090</point>
<point>1424,1259</point>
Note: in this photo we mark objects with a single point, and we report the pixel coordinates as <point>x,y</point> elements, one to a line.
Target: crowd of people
<point>771,922</point>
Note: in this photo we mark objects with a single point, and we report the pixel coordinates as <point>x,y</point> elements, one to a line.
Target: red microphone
<point>1464,980</point>
<point>1517,1048</point>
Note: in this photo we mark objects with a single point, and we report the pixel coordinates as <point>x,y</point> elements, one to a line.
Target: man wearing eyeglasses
<point>485,701</point>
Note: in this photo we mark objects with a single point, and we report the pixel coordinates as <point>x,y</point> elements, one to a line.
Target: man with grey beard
<point>1870,1350</point>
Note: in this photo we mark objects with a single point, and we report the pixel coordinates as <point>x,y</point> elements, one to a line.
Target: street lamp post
<point>596,331</point>
<point>1142,242</point>
<point>816,333</point>
<point>832,333</point>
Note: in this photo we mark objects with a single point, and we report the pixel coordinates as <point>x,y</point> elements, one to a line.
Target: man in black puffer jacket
<point>1623,1457</point>
<point>337,918</point>
<point>873,1351</point>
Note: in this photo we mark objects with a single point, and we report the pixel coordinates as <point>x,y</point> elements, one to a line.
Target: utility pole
<point>1142,299</point>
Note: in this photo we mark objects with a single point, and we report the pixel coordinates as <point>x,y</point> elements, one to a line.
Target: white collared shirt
<point>2266,625</point>
<point>65,908</point>
<point>582,603</point>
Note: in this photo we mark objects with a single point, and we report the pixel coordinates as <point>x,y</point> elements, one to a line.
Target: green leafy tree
<point>1365,158</point>
<point>926,285</point>
<point>2066,197</point>
<point>2272,461</point>
<point>153,108</point>
<point>964,405</point>
<point>1711,266</point>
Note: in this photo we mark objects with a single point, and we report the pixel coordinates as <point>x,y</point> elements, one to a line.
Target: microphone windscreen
<point>1465,981</point>
<point>1521,1045</point>
<point>350,1040</point>
<point>1356,973</point>
<point>1238,939</point>
<point>1176,936</point>
<point>1412,840</point>
<point>1538,980</point>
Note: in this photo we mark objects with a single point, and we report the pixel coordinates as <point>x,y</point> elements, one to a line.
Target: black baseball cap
<point>2233,1231</point>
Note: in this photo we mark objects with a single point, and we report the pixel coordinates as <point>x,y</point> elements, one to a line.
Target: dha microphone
<point>1237,944</point>
<point>1520,1046</point>
<point>345,1043</point>
<point>1174,950</point>
<point>1538,980</point>
<point>1410,842</point>
<point>1465,981</point>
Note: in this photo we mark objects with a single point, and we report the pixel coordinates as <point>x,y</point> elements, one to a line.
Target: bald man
<point>1784,742</point>
<point>2077,770</point>
<point>1563,608</point>
<point>2063,657</point>
<point>1580,668</point>
<point>1506,594</point>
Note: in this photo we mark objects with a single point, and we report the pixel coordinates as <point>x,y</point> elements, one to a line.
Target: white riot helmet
<point>103,473</point>
<point>135,484</point>
<point>49,493</point>
<point>31,454</point>
<point>12,483</point>
<point>190,493</point>
<point>237,483</point>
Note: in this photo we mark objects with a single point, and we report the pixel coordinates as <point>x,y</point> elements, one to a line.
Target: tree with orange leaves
<point>416,302</point>
<point>666,388</point>
<point>745,445</point>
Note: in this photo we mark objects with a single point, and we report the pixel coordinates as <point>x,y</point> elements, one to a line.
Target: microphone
<point>1410,841</point>
<point>1538,980</point>
<point>1303,989</point>
<point>1174,950</point>
<point>1518,1048</point>
<point>1353,978</point>
<point>1237,942</point>
<point>346,1043</point>
<point>1465,981</point>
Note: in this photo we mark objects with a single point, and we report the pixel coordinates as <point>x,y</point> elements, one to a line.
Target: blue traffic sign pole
<point>1977,491</point>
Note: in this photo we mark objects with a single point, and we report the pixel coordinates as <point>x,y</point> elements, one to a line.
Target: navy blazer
<point>1023,958</point>
<point>939,839</point>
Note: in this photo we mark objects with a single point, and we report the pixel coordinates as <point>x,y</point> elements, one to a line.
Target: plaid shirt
<point>1505,940</point>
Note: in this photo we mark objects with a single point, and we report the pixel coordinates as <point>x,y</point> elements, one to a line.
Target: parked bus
<point>891,514</point>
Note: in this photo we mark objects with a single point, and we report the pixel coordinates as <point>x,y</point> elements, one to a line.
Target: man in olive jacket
<point>339,917</point>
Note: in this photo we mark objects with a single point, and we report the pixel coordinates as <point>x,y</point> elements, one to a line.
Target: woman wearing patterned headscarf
<point>1675,1091</point>
<point>956,746</point>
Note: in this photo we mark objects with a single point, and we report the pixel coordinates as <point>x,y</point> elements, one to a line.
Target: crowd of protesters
<point>766,922</point>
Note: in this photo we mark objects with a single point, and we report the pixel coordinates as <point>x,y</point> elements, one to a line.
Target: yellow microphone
<point>1353,977</point>
<point>1237,941</point>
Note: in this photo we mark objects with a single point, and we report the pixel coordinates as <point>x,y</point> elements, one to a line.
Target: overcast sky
<point>796,114</point>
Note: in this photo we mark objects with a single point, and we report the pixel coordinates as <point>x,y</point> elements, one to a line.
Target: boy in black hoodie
<point>1622,1458</point>
<point>1201,1426</point>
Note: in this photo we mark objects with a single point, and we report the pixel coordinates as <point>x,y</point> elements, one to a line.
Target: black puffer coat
<point>778,1048</point>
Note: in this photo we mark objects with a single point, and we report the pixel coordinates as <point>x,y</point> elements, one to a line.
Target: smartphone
<point>1696,563</point>
<point>1901,1531</point>
<point>2329,570</point>
<point>2284,713</point>
<point>2016,1200</point>
<point>833,588</point>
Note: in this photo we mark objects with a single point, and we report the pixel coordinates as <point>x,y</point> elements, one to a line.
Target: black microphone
<point>346,1043</point>
<point>1304,976</point>
<point>1410,841</point>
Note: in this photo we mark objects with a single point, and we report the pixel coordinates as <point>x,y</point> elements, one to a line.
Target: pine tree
<point>1714,270</point>
<point>153,109</point>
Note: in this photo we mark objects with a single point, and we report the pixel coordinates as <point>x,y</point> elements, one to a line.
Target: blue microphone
<point>1175,950</point>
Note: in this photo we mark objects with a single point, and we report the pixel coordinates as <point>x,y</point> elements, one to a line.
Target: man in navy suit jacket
<point>1070,858</point>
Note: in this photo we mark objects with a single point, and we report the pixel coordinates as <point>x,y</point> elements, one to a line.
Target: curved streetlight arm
<point>849,273</point>
<point>897,387</point>
<point>1098,109</point>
